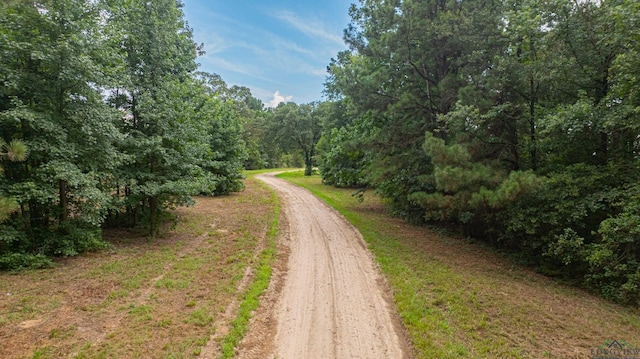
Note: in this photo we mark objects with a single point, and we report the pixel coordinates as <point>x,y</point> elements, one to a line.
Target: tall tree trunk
<point>603,144</point>
<point>308,165</point>
<point>533,149</point>
<point>602,89</point>
<point>153,216</point>
<point>64,210</point>
<point>153,202</point>
<point>131,209</point>
<point>27,222</point>
<point>513,143</point>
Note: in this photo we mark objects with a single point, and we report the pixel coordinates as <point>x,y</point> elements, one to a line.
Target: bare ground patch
<point>145,297</point>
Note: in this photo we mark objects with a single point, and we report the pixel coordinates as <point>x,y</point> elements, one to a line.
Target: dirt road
<point>333,302</point>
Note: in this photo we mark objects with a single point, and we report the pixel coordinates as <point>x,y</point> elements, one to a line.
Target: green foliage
<point>516,121</point>
<point>71,239</point>
<point>53,60</point>
<point>571,124</point>
<point>466,192</point>
<point>7,206</point>
<point>19,261</point>
<point>12,239</point>
<point>344,156</point>
<point>614,261</point>
<point>579,224</point>
<point>227,149</point>
<point>181,137</point>
<point>157,128</point>
<point>161,136</point>
<point>294,127</point>
<point>235,134</point>
<point>578,198</point>
<point>403,70</point>
<point>15,151</point>
<point>17,249</point>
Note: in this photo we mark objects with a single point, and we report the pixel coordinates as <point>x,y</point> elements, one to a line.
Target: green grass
<point>251,173</point>
<point>459,300</point>
<point>149,297</point>
<point>425,305</point>
<point>201,317</point>
<point>158,298</point>
<point>251,298</point>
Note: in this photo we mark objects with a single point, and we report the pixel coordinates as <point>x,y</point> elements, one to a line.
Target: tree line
<point>515,122</point>
<point>105,121</point>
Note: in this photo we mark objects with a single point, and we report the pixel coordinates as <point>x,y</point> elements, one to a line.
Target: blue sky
<point>278,49</point>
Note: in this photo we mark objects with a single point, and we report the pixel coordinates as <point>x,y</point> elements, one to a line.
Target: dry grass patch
<point>146,298</point>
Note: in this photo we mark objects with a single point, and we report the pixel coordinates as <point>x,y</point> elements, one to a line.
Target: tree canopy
<point>119,125</point>
<point>515,121</point>
<point>296,128</point>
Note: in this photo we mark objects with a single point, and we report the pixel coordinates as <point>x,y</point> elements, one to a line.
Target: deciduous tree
<point>296,128</point>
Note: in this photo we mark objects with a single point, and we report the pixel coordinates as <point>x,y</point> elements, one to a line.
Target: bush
<point>583,225</point>
<point>576,199</point>
<point>614,262</point>
<point>72,238</point>
<point>21,251</point>
<point>20,261</point>
<point>342,161</point>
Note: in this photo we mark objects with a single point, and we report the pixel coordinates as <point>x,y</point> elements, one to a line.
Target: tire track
<point>333,304</point>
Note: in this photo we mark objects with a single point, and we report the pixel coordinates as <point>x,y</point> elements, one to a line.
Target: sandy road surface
<point>333,302</point>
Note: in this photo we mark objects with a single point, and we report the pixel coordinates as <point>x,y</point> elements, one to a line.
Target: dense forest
<point>105,121</point>
<point>514,122</point>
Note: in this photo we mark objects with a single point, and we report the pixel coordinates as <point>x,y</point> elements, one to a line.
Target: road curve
<point>333,304</point>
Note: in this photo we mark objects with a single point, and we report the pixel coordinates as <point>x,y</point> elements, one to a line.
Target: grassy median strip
<point>458,299</point>
<point>251,298</point>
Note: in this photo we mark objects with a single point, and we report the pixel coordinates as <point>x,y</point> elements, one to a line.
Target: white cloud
<point>277,99</point>
<point>214,44</point>
<point>288,45</point>
<point>311,28</point>
<point>219,63</point>
<point>264,95</point>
